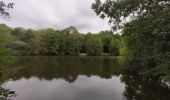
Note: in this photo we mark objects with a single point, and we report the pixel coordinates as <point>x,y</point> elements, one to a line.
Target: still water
<point>76,78</point>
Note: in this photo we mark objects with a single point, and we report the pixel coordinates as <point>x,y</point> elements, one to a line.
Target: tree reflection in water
<point>138,88</point>
<point>69,68</point>
<point>5,94</point>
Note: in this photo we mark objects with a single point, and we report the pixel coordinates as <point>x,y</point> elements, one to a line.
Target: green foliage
<point>106,37</point>
<point>27,35</point>
<point>20,48</point>
<point>73,44</point>
<point>69,42</point>
<point>4,29</point>
<point>23,34</point>
<point>48,41</point>
<point>4,51</point>
<point>118,11</point>
<point>94,45</point>
<point>150,44</point>
<point>5,38</point>
<point>155,45</point>
<point>114,47</point>
<point>18,32</point>
<point>146,39</point>
<point>21,42</point>
<point>36,44</point>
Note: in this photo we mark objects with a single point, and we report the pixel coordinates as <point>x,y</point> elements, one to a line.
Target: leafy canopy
<point>121,11</point>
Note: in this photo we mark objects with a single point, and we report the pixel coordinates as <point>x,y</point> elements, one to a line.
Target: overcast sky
<point>57,14</point>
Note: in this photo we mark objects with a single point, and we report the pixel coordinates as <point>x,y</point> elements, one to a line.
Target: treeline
<point>69,41</point>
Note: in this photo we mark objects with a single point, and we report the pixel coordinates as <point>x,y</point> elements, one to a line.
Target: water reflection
<point>5,94</point>
<point>138,88</point>
<point>68,68</point>
<point>77,78</point>
<point>84,88</point>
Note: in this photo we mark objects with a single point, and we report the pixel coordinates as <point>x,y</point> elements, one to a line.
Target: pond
<point>76,78</point>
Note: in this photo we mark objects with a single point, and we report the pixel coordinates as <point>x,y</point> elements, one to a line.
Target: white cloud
<point>58,14</point>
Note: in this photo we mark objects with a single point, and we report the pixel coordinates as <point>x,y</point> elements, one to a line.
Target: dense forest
<point>145,28</point>
<point>24,42</point>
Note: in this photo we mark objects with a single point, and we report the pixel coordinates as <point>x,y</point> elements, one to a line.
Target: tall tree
<point>50,42</point>
<point>106,37</point>
<point>94,46</point>
<point>146,37</point>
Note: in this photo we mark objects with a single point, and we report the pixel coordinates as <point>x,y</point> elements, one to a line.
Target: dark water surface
<point>76,78</point>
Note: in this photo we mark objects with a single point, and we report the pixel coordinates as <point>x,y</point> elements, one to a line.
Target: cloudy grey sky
<point>57,14</point>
